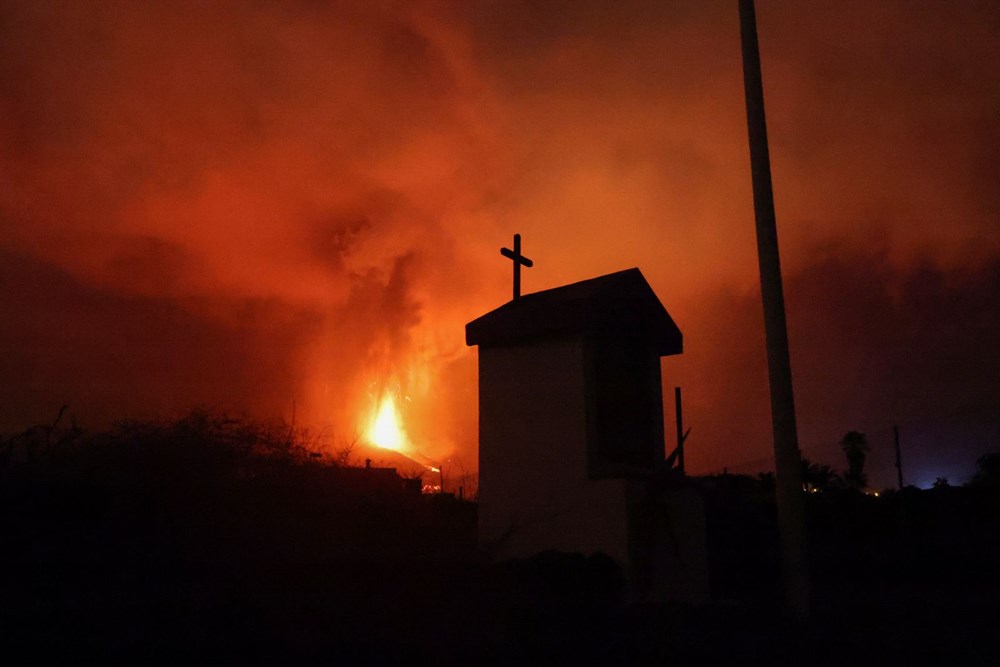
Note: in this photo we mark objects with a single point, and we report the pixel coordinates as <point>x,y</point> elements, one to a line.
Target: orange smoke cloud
<point>260,205</point>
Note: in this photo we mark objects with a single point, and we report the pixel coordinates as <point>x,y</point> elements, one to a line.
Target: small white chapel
<point>571,438</point>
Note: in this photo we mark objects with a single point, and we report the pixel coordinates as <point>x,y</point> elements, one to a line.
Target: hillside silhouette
<point>211,534</point>
<point>221,538</point>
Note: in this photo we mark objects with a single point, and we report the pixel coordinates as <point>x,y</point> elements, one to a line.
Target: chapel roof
<point>620,304</point>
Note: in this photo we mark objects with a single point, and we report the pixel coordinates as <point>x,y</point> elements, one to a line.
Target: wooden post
<point>787,460</point>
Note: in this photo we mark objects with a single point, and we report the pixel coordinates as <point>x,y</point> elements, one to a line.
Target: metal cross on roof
<point>519,261</point>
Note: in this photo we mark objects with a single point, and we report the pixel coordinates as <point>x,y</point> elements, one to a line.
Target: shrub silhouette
<point>987,470</point>
<point>209,533</point>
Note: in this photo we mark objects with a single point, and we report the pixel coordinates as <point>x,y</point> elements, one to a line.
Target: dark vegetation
<point>213,538</point>
<point>908,577</point>
<point>855,446</point>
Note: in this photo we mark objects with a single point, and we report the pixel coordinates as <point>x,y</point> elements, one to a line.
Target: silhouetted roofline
<point>620,304</point>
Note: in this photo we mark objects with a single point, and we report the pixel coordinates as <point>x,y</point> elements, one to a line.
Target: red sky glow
<point>252,206</point>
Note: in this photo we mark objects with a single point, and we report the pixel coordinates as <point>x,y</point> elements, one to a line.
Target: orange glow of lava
<point>386,430</point>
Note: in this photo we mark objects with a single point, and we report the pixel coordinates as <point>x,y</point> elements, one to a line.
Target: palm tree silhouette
<point>855,446</point>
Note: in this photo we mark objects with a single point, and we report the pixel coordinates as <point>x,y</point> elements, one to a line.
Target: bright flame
<point>386,430</point>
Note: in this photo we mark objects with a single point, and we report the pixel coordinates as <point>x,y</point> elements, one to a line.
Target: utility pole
<point>787,459</point>
<point>899,465</point>
<point>680,430</point>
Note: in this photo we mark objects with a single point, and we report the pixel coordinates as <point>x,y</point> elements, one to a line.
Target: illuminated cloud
<point>255,204</point>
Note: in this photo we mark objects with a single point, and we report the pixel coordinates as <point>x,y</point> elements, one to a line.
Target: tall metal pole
<point>787,460</point>
<point>899,464</point>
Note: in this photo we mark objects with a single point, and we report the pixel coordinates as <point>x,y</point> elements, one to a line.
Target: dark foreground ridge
<point>220,539</point>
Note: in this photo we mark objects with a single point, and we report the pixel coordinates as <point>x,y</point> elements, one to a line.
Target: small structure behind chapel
<point>571,444</point>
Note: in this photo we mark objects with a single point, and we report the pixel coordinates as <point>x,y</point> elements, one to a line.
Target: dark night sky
<point>249,204</point>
